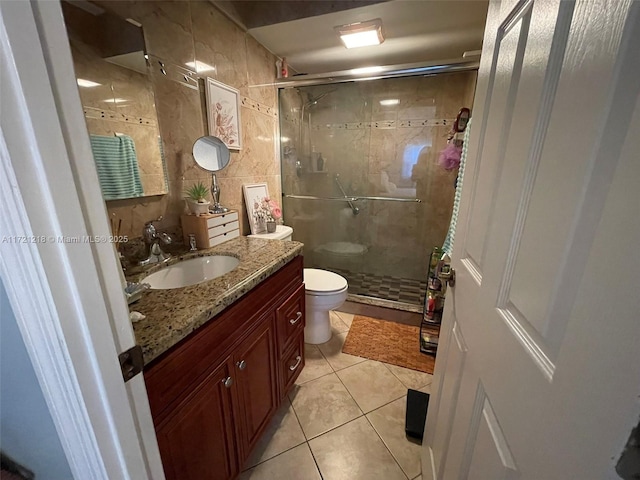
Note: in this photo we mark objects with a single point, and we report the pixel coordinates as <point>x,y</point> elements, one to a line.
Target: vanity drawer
<point>222,219</point>
<point>224,237</point>
<point>223,228</point>
<point>291,365</point>
<point>290,318</point>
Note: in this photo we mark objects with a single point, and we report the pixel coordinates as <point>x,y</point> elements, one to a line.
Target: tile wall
<point>179,32</point>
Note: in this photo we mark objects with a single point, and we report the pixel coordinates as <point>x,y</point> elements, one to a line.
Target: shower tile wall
<point>378,149</point>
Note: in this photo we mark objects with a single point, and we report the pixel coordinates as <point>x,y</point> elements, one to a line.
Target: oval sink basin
<point>191,272</point>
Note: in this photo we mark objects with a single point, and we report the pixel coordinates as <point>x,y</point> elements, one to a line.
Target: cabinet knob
<point>293,321</point>
<point>227,382</point>
<point>298,360</point>
<point>241,364</point>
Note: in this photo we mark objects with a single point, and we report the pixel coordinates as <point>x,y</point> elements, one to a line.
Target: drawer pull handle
<point>298,360</point>
<point>241,364</point>
<point>227,382</point>
<point>293,321</point>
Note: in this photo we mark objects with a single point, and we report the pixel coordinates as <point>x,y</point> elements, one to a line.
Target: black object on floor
<point>417,403</point>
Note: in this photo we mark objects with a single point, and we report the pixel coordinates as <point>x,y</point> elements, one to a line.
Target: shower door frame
<point>364,74</point>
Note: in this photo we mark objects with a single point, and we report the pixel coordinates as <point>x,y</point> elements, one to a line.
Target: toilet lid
<point>322,281</point>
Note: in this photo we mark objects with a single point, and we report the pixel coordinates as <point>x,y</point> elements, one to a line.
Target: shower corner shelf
<point>320,171</point>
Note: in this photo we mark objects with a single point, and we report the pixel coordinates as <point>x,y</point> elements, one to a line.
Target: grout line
<point>391,372</point>
<point>388,450</point>
<point>315,461</point>
<point>331,429</point>
<point>323,375</point>
<point>334,428</point>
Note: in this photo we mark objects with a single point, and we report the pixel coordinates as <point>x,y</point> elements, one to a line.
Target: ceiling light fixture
<point>361,34</point>
<point>87,83</point>
<point>389,102</point>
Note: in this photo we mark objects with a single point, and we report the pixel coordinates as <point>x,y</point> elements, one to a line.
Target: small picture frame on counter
<point>254,194</point>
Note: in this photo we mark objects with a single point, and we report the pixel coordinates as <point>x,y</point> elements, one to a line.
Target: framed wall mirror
<point>118,100</point>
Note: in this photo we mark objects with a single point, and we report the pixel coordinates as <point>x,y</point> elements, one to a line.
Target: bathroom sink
<point>191,272</point>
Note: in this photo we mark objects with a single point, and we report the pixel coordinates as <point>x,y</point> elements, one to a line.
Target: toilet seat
<point>322,282</point>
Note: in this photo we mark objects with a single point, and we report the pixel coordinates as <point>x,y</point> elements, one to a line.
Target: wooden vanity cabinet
<point>214,393</point>
<point>197,441</point>
<point>257,384</point>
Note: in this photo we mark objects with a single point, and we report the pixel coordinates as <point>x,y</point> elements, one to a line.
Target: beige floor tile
<point>337,325</point>
<point>419,477</point>
<point>332,351</point>
<point>354,452</point>
<point>425,389</point>
<point>296,463</point>
<point>410,378</point>
<point>389,422</point>
<point>347,318</point>
<point>283,433</point>
<point>371,384</point>
<point>315,365</point>
<point>323,404</point>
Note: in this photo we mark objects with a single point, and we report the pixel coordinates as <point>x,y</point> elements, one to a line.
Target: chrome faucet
<point>152,238</point>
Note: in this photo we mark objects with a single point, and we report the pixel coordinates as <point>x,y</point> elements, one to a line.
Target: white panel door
<point>538,366</point>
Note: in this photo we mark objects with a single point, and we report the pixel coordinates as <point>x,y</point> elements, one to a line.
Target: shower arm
<point>354,209</point>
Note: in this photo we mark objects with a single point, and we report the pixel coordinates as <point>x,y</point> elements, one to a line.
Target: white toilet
<point>324,291</point>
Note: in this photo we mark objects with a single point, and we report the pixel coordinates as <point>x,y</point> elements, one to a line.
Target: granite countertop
<point>173,314</point>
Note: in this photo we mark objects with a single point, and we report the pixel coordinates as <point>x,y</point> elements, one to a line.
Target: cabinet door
<point>255,369</point>
<point>196,440</point>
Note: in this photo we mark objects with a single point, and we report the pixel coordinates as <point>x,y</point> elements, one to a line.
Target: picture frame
<point>223,113</point>
<point>255,192</point>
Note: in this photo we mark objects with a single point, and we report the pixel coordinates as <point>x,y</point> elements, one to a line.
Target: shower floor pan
<point>385,287</point>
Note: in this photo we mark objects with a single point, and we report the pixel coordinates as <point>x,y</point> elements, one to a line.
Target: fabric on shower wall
<point>27,432</point>
<point>451,234</point>
<point>117,165</point>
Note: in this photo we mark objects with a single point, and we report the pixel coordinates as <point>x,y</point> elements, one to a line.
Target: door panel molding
<point>531,341</point>
<point>602,166</point>
<point>473,270</point>
<point>548,93</point>
<point>453,374</point>
<point>482,210</point>
<point>484,415</point>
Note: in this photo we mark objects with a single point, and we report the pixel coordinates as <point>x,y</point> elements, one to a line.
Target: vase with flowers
<point>266,213</point>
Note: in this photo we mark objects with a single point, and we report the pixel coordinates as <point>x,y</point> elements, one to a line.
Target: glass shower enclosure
<point>362,186</point>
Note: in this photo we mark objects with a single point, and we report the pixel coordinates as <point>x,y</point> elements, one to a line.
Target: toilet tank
<point>282,232</point>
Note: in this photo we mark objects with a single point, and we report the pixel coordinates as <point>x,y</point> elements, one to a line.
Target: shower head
<point>314,100</point>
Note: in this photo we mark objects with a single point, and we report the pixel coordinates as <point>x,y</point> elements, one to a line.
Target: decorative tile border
<point>259,107</point>
<point>295,120</point>
<point>112,116</point>
<point>387,124</point>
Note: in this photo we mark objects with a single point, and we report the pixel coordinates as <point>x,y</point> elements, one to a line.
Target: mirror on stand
<point>211,154</point>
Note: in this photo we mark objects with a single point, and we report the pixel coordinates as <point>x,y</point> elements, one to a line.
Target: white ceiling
<point>415,31</point>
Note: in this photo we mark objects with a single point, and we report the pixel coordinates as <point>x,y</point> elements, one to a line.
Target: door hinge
<point>131,362</point>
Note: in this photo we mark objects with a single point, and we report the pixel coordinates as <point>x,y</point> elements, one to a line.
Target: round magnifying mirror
<point>211,153</point>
